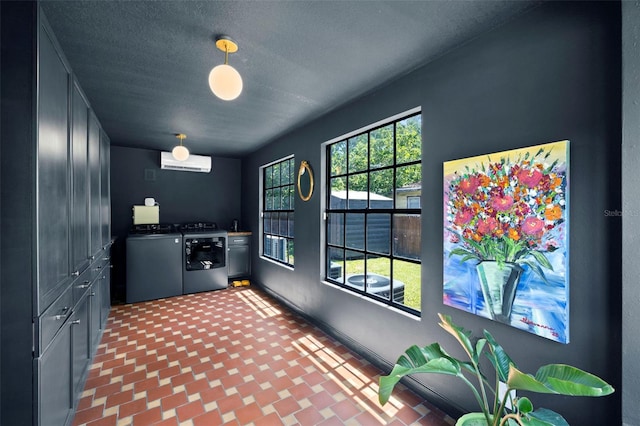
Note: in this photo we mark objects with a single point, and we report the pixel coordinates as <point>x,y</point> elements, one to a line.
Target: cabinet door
<point>94,186</point>
<point>54,380</point>
<point>80,343</point>
<point>95,312</point>
<point>105,198</point>
<point>79,182</point>
<point>52,172</point>
<point>105,295</point>
<point>238,260</point>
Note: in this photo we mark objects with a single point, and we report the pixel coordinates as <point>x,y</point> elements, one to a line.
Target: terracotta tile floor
<point>233,357</point>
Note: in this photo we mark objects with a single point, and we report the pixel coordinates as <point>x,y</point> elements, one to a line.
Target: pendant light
<point>180,152</point>
<point>224,80</point>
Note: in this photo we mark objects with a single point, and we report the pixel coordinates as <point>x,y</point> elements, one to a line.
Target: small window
<point>278,197</point>
<point>413,202</point>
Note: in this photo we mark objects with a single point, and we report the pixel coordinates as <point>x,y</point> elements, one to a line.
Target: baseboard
<point>434,398</point>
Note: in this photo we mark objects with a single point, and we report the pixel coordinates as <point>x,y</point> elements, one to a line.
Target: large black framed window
<point>277,211</point>
<point>373,212</point>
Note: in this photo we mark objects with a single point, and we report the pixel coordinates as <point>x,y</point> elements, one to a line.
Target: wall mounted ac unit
<point>195,163</point>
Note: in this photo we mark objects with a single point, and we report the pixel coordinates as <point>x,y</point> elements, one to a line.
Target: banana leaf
<point>437,365</point>
<point>461,335</point>
<point>499,358</point>
<point>552,378</point>
<point>559,379</point>
<point>543,417</point>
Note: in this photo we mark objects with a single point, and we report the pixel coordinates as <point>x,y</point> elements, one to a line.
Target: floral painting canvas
<point>506,252</point>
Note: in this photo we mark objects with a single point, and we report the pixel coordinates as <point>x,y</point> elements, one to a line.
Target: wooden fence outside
<point>406,234</point>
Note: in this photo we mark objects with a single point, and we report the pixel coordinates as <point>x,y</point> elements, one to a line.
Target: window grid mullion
<point>280,235</point>
<point>367,211</point>
<point>392,218</point>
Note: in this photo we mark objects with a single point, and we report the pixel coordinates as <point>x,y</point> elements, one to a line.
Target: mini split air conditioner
<point>195,163</point>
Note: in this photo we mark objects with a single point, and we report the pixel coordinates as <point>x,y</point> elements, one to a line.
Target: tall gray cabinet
<point>55,225</point>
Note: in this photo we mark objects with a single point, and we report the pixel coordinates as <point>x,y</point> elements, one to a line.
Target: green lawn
<point>407,272</point>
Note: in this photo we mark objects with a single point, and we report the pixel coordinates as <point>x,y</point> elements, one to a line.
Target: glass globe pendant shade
<point>225,82</point>
<point>180,153</point>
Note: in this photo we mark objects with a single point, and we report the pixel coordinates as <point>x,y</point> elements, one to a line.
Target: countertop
<point>238,233</point>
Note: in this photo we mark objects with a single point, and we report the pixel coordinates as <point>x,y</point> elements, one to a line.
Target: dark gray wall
<point>551,74</point>
<point>631,210</point>
<point>0,220</point>
<point>183,196</point>
<point>17,189</point>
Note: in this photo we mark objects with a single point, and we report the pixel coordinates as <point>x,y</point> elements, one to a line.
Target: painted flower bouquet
<point>508,211</point>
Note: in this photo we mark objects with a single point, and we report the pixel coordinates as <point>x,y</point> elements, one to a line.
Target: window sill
<point>374,301</point>
<point>268,259</point>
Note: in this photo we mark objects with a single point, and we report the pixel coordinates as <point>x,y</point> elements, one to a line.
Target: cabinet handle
<point>92,257</point>
<point>83,285</point>
<point>62,314</point>
<point>98,267</point>
<point>75,322</point>
<point>93,293</point>
<point>237,241</point>
<point>105,258</point>
<point>75,273</point>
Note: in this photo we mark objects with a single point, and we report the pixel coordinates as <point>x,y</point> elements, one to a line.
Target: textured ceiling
<point>144,64</point>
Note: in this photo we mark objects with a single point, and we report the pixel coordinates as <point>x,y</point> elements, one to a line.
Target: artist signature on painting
<point>527,321</point>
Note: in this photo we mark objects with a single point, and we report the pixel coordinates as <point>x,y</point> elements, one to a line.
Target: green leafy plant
<point>559,379</point>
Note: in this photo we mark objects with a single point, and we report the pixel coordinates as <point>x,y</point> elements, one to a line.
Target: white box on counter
<point>146,215</point>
